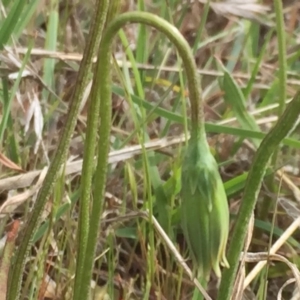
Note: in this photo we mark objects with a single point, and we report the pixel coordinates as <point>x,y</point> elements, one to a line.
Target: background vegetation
<point>247,54</point>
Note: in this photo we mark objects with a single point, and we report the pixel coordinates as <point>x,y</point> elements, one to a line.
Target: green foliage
<point>11,21</point>
<point>16,271</point>
<point>183,194</point>
<point>285,124</point>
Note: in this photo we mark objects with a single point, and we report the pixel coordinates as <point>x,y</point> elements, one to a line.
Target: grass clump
<point>119,208</point>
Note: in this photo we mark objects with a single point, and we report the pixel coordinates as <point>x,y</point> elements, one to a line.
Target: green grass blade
<point>209,127</point>
<point>51,42</point>
<point>11,21</point>
<point>235,98</point>
<point>13,92</point>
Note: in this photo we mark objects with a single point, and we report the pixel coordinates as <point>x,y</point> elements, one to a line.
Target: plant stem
<point>282,75</point>
<point>280,28</point>
<point>283,127</point>
<point>6,258</point>
<point>88,162</point>
<point>17,269</point>
<point>102,83</point>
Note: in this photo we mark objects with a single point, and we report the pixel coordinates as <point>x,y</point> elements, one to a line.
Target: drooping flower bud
<point>204,209</point>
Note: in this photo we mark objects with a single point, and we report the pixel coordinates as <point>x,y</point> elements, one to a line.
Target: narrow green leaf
<point>11,21</point>
<point>51,41</point>
<point>209,127</point>
<point>13,92</point>
<point>235,98</point>
<point>257,64</point>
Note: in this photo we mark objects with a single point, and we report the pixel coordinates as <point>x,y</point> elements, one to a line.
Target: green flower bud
<point>204,209</point>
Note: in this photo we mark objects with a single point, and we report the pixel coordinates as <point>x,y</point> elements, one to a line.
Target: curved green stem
<point>102,86</point>
<point>283,127</point>
<point>17,268</point>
